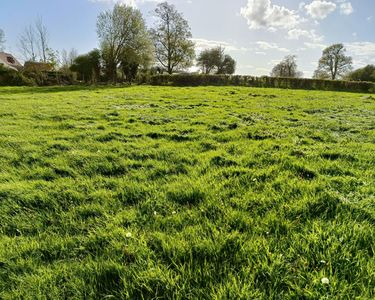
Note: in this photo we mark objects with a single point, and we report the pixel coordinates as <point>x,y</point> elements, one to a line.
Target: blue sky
<point>257,33</point>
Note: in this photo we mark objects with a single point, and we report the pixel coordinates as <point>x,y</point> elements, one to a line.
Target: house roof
<point>9,61</point>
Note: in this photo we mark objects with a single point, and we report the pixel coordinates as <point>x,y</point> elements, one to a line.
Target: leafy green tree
<point>334,64</point>
<point>228,65</point>
<point>121,30</point>
<point>88,66</point>
<point>130,70</point>
<point>132,60</point>
<point>364,74</point>
<point>215,61</point>
<point>209,59</point>
<point>2,39</point>
<point>287,68</point>
<point>174,49</point>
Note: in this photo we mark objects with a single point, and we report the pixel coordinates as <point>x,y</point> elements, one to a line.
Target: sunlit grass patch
<point>186,193</point>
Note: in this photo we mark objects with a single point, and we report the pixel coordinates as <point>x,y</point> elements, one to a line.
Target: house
<point>9,61</point>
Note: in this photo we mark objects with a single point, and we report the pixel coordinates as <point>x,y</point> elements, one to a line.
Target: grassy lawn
<point>186,193</point>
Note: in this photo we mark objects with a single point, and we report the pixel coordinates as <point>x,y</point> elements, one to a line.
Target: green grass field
<point>186,193</point>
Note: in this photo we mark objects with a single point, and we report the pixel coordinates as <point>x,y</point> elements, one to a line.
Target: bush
<point>44,78</point>
<point>272,82</point>
<point>9,77</point>
<point>364,74</point>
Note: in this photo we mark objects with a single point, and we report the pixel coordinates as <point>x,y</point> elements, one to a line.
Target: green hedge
<point>273,82</point>
<point>9,77</point>
<point>49,78</point>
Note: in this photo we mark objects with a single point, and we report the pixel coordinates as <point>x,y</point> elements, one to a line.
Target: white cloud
<point>194,69</point>
<point>369,18</point>
<point>315,45</point>
<point>297,33</point>
<point>132,3</point>
<point>264,14</point>
<point>273,62</point>
<point>320,9</point>
<point>363,53</point>
<point>247,66</point>
<point>202,44</point>
<point>270,46</point>
<point>362,48</point>
<point>262,71</point>
<point>346,8</point>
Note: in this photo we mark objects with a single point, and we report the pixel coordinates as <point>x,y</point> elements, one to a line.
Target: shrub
<point>364,74</point>
<point>9,77</point>
<point>44,78</point>
<point>272,82</point>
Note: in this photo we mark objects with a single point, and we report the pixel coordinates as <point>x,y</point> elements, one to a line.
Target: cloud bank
<point>264,14</point>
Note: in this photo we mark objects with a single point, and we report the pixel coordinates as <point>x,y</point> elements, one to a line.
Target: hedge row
<point>272,82</point>
<point>48,78</point>
<point>9,77</point>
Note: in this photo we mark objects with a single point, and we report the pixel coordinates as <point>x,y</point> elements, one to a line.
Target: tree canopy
<point>88,66</point>
<point>333,64</point>
<point>287,68</point>
<point>121,31</point>
<point>363,74</point>
<point>174,49</point>
<point>215,61</point>
<point>133,59</point>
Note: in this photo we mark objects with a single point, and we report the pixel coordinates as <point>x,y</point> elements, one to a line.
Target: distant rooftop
<point>9,61</point>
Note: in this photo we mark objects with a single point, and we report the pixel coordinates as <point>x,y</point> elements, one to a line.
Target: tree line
<point>333,65</point>
<point>128,47</point>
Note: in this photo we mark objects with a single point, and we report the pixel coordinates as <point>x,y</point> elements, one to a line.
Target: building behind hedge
<point>9,61</point>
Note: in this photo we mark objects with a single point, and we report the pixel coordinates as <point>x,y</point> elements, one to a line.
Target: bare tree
<point>2,39</point>
<point>73,54</point>
<point>28,44</point>
<point>67,58</point>
<point>33,42</point>
<point>42,38</point>
<point>64,58</point>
